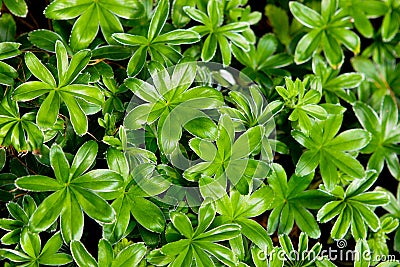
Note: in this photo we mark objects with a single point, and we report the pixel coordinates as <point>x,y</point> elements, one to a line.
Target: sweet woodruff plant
<point>199,133</point>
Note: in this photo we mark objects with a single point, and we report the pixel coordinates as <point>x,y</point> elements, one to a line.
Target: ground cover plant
<point>199,133</point>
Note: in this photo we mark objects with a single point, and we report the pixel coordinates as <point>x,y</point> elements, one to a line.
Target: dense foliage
<point>199,133</point>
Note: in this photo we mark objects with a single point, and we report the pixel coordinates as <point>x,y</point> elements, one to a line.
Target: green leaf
<point>362,248</point>
<point>78,117</point>
<point>247,142</point>
<point>225,49</point>
<point>359,186</point>
<point>30,90</point>
<point>203,128</point>
<point>109,24</point>
<point>158,19</point>
<point>347,164</point>
<point>196,14</point>
<point>90,94</point>
<point>52,246</point>
<point>279,20</point>
<point>117,161</point>
<point>17,7</point>
<point>175,248</point>
<point>307,46</point>
<point>206,216</point>
<point>389,114</point>
<point>48,211</point>
<point>135,9</point>
<point>287,245</point>
<point>367,116</point>
<point>7,74</point>
<point>8,28</point>
<point>178,37</point>
<point>278,180</point>
<point>332,50</point>
<point>258,202</point>
<point>214,12</point>
<point>143,90</point>
<point>85,29</point>
<point>115,231</point>
<point>48,111</point>
<point>209,48</point>
<point>14,255</point>
<point>84,158</point>
<point>182,223</point>
<point>390,26</point>
<point>12,237</point>
<point>78,62</point>
<point>178,16</point>
<point>45,39</point>
<point>140,115</point>
<point>170,132</point>
<point>71,219</point>
<point>62,59</point>
<point>147,214</point>
<point>342,224</point>
<point>29,205</point>
<point>273,219</point>
<point>372,198</point>
<point>17,212</point>
<point>347,80</point>
<point>3,158</point>
<point>202,259</point>
<point>328,171</point>
<point>306,222</point>
<point>9,50</point>
<point>328,8</point>
<point>223,254</point>
<point>30,243</point>
<point>358,229</point>
<point>182,78</point>
<point>348,39</point>
<point>298,184</point>
<point>156,257</point>
<point>286,220</point>
<point>351,140</point>
<point>64,9</point>
<point>105,253</point>
<point>315,111</point>
<point>362,23</point>
<point>306,15</point>
<point>369,217</point>
<point>256,233</point>
<point>238,40</point>
<point>93,205</point>
<point>81,255</point>
<point>112,52</point>
<point>103,182</point>
<point>393,165</point>
<point>220,233</point>
<point>38,183</point>
<point>329,211</point>
<point>129,39</point>
<point>130,256</point>
<point>56,259</point>
<point>308,162</point>
<point>10,224</point>
<point>136,63</point>
<point>39,70</point>
<point>200,97</point>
